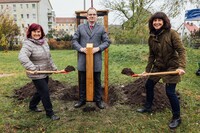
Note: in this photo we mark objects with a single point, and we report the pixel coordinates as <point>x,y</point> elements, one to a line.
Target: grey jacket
<point>36,57</point>
<point>98,37</point>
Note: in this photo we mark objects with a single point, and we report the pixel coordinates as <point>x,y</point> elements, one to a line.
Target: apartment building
<point>65,24</point>
<point>68,25</point>
<point>25,12</point>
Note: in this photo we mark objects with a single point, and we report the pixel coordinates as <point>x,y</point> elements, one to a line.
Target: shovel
<point>129,72</point>
<point>65,71</point>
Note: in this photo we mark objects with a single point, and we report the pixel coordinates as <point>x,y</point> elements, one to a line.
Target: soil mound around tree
<point>136,94</point>
<point>132,94</point>
<point>57,90</point>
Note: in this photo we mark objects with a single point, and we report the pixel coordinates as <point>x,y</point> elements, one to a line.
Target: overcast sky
<point>67,8</point>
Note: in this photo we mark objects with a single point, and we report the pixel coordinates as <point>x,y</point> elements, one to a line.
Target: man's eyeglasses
<point>92,14</point>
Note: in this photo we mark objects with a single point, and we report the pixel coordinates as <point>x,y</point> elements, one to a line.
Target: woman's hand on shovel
<point>180,71</point>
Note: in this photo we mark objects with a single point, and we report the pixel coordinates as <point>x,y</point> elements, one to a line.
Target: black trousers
<point>97,86</point>
<point>170,92</point>
<point>42,93</point>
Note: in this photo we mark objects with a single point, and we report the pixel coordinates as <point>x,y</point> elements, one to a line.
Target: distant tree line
<point>134,16</point>
<point>8,31</point>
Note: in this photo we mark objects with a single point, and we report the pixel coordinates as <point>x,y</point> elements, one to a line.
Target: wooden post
<point>89,73</point>
<point>78,19</point>
<point>106,63</point>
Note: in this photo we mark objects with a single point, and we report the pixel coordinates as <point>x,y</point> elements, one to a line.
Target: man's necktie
<point>91,27</point>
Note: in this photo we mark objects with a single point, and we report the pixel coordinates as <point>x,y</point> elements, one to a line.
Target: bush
<point>54,44</point>
<point>16,47</point>
<point>119,36</point>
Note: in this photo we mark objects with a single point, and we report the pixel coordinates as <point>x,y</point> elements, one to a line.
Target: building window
<point>15,17</point>
<point>14,8</point>
<point>22,16</point>
<point>33,6</point>
<point>22,25</point>
<point>1,6</point>
<point>21,5</point>
<point>26,5</point>
<point>27,15</point>
<point>34,16</point>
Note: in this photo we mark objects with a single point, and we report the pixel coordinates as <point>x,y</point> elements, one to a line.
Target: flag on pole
<point>192,15</point>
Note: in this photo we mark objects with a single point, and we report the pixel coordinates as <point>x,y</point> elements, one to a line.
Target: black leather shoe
<point>175,123</point>
<point>144,110</point>
<point>36,110</point>
<point>79,104</point>
<point>54,117</point>
<point>100,104</point>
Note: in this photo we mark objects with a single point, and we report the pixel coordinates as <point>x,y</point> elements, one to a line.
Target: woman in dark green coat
<point>166,53</point>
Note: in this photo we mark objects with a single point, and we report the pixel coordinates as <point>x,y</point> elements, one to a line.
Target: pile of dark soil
<point>132,94</point>
<point>57,91</point>
<point>136,94</point>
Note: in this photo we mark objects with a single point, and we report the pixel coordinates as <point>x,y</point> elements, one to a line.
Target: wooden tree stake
<point>89,73</point>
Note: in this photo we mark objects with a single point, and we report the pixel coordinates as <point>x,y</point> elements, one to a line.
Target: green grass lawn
<point>15,117</point>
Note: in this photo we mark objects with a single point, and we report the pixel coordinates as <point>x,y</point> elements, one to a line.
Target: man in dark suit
<point>90,32</point>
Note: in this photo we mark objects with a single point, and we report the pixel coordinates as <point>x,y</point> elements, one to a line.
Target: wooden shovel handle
<point>156,73</point>
<point>45,72</point>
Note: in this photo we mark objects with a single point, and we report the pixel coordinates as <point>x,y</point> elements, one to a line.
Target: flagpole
<point>91,3</point>
<point>84,5</point>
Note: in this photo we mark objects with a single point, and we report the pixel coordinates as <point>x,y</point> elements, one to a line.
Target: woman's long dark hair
<point>34,27</point>
<point>159,15</point>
